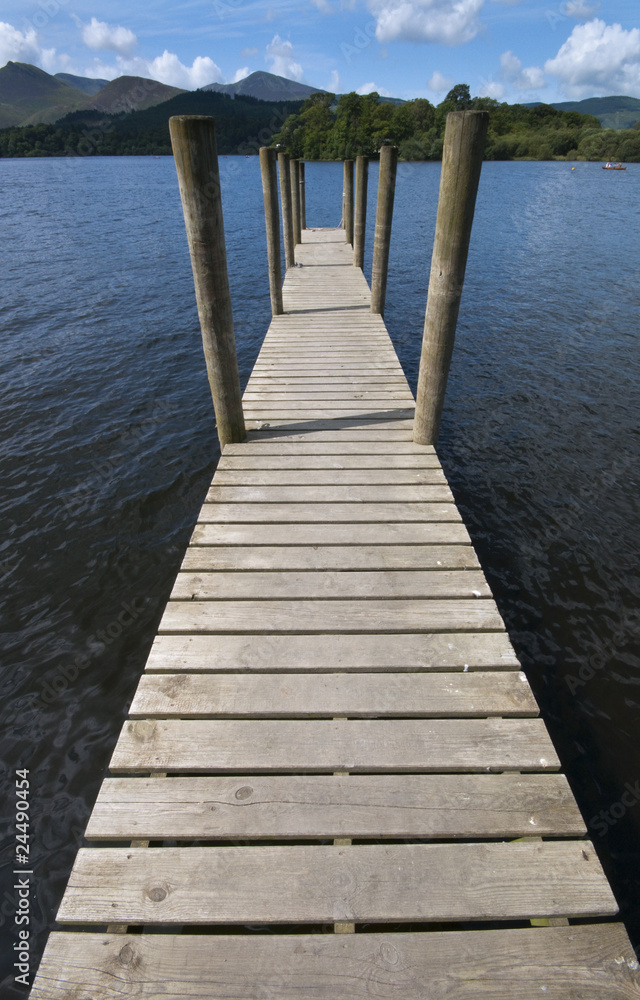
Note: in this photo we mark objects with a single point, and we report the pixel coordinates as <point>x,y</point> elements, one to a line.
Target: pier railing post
<point>384,216</point>
<point>193,139</point>
<point>464,142</point>
<point>348,201</point>
<point>287,216</point>
<point>303,198</point>
<point>360,225</point>
<point>294,167</point>
<point>271,215</point>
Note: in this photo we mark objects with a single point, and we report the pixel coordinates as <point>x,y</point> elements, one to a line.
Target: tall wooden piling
<point>270,193</point>
<point>303,197</point>
<point>382,238</point>
<point>464,142</point>
<point>193,139</point>
<point>348,201</point>
<point>295,200</point>
<point>287,216</point>
<point>359,229</point>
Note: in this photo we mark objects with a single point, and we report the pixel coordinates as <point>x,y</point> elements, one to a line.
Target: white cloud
<point>369,88</point>
<point>334,82</point>
<point>240,74</point>
<point>249,53</point>
<point>100,35</point>
<point>530,78</point>
<point>598,57</point>
<point>440,84</point>
<point>280,55</point>
<point>323,6</point>
<point>16,46</point>
<point>442,21</point>
<point>491,88</point>
<point>166,68</point>
<point>580,9</point>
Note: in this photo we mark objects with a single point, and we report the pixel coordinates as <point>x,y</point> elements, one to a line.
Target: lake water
<point>108,446</point>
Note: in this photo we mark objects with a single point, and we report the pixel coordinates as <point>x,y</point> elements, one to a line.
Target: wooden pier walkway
<point>333,783</point>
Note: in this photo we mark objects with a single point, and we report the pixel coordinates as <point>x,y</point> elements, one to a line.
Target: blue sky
<point>514,50</point>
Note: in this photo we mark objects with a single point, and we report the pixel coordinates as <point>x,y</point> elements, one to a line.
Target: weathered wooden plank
<point>319,746</point>
<point>412,533</point>
<point>329,585</point>
<point>381,433</point>
<point>427,806</point>
<point>290,513</point>
<point>358,416</point>
<point>589,962</point>
<point>420,493</point>
<point>328,557</point>
<point>328,477</point>
<point>408,882</point>
<point>343,465</point>
<point>440,695</point>
<point>349,402</point>
<point>431,615</point>
<point>445,651</point>
<point>327,444</point>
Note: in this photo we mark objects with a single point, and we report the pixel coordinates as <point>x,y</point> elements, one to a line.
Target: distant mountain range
<point>28,96</point>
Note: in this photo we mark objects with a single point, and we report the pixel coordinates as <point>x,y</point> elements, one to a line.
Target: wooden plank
<point>431,615</point>
<point>416,533</point>
<point>329,585</point>
<point>421,493</point>
<point>408,882</point>
<point>281,696</point>
<point>359,416</point>
<point>318,746</point>
<point>328,477</point>
<point>382,434</point>
<point>328,557</point>
<point>589,962</point>
<point>427,806</point>
<point>305,444</point>
<point>445,651</point>
<point>290,513</point>
<point>331,464</point>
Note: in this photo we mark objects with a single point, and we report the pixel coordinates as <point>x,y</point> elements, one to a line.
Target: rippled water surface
<point>108,446</point>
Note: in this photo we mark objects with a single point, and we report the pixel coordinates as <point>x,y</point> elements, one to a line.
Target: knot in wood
<point>244,792</point>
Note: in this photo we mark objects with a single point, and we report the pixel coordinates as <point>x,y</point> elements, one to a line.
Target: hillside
<point>26,91</point>
<point>265,87</point>
<point>613,112</point>
<point>131,93</point>
<point>87,84</point>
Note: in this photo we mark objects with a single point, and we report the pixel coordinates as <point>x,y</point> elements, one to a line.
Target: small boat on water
<point>613,166</point>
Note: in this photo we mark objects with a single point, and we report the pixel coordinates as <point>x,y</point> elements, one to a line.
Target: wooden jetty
<point>334,783</point>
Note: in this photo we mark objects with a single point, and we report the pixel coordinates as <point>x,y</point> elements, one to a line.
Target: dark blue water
<point>108,446</point>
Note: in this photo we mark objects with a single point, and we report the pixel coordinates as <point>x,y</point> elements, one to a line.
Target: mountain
<point>26,91</point>
<point>130,93</point>
<point>613,112</point>
<point>265,87</point>
<point>87,84</point>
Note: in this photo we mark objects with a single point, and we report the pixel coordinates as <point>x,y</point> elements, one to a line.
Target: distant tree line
<point>330,128</point>
<point>326,127</point>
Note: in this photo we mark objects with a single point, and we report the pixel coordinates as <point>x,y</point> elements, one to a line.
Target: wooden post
<point>287,218</point>
<point>384,215</point>
<point>303,198</point>
<point>464,142</point>
<point>295,201</point>
<point>270,193</point>
<point>359,229</point>
<point>348,201</point>
<point>193,139</point>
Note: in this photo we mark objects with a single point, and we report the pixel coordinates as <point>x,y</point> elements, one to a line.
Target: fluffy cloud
<point>369,88</point>
<point>240,74</point>
<point>280,56</point>
<point>491,88</point>
<point>115,38</point>
<point>580,9</point>
<point>530,78</point>
<point>440,84</point>
<point>166,68</point>
<point>18,46</point>
<point>442,21</point>
<point>599,57</point>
